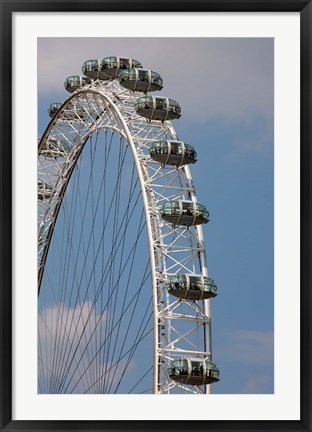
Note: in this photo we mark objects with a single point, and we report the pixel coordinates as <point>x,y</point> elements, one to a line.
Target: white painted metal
<point>179,325</point>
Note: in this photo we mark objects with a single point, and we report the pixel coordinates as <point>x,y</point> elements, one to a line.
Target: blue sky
<point>225,89</point>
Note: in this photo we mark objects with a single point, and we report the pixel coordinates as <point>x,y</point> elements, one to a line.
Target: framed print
<point>121,307</point>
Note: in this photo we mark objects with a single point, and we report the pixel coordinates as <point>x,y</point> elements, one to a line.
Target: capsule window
<point>161,104</point>
<point>53,108</point>
<point>176,363</point>
<point>212,370</point>
<point>175,368</point>
<point>90,66</point>
<point>138,104</point>
<point>94,66</point>
<point>202,211</point>
<point>143,75</point>
<point>176,148</point>
<point>164,147</point>
<point>125,75</point>
<point>174,107</point>
<point>147,103</point>
<point>178,282</point>
<point>189,151</point>
<point>74,81</point>
<point>171,207</point>
<point>195,283</point>
<point>156,78</point>
<point>160,147</point>
<point>141,102</point>
<point>187,208</point>
<point>197,368</point>
<point>136,64</point>
<point>110,63</point>
<point>210,285</point>
<point>175,207</point>
<point>124,63</point>
<point>167,208</point>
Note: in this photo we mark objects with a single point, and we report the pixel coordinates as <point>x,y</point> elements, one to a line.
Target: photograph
<point>155,246</point>
<point>155,215</point>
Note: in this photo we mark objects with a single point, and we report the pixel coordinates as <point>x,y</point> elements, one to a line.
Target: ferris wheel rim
<point>148,215</point>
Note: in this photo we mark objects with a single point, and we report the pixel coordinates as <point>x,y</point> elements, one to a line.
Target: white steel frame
<point>173,249</point>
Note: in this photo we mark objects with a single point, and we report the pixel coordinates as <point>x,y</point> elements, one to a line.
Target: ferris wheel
<point>124,291</point>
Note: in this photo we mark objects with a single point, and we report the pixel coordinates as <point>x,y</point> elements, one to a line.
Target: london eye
<point>123,287</point>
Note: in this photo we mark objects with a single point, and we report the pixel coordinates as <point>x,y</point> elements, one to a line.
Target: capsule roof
<point>157,108</point>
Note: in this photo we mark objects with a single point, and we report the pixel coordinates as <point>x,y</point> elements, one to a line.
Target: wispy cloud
<point>68,350</point>
<point>254,137</point>
<point>259,383</point>
<point>246,360</point>
<point>248,347</point>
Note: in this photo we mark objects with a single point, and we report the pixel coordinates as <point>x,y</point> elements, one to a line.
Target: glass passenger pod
<point>193,371</point>
<point>141,80</point>
<point>44,190</point>
<point>74,82</point>
<point>184,213</point>
<point>110,66</point>
<point>55,148</point>
<point>173,153</point>
<point>53,108</point>
<point>157,108</point>
<point>191,287</point>
<point>92,69</point>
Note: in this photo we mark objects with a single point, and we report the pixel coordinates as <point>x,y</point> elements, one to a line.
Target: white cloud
<point>246,347</point>
<point>69,340</point>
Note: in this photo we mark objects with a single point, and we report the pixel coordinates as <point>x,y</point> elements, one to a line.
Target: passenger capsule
<point>44,190</point>
<point>53,108</point>
<point>111,66</point>
<point>173,153</point>
<point>193,371</point>
<point>55,148</point>
<point>157,108</point>
<point>92,69</point>
<point>74,82</point>
<point>184,213</point>
<point>191,287</point>
<point>141,80</point>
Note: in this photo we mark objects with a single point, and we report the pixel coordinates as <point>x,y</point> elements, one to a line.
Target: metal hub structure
<point>181,327</point>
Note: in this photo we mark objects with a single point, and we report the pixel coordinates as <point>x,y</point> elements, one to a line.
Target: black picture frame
<point>7,9</point>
